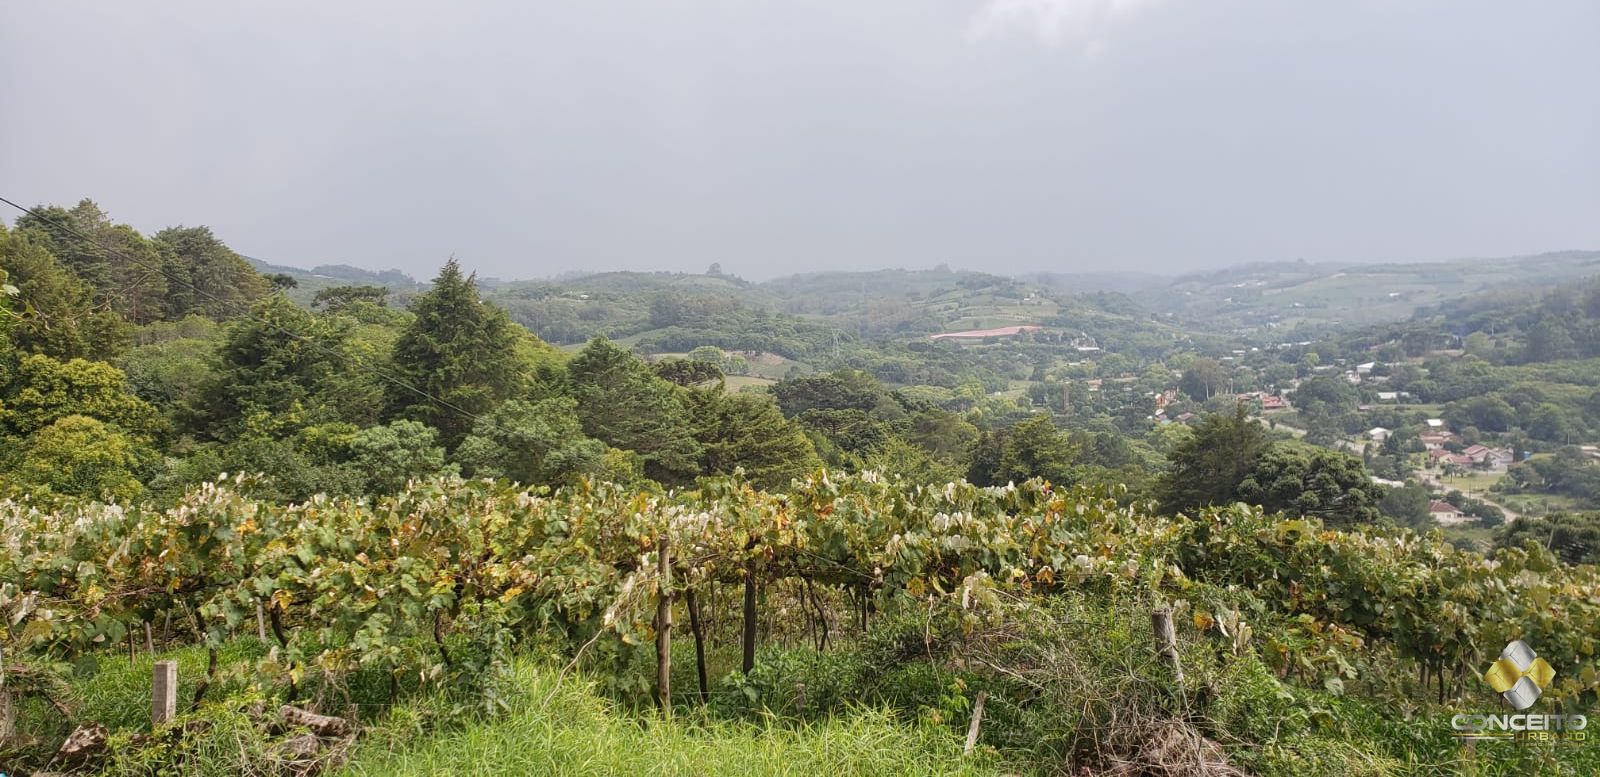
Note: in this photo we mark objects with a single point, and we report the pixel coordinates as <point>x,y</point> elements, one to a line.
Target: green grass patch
<point>1473,483</point>
<point>579,732</point>
<point>734,383</point>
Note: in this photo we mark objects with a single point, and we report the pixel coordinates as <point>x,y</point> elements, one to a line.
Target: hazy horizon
<point>1007,136</point>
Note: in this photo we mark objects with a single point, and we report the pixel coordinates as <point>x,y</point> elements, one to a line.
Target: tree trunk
<point>205,683</point>
<point>698,629</point>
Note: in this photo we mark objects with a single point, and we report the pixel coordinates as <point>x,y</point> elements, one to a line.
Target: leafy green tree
<point>624,404</point>
<point>689,372</point>
<point>749,431</point>
<point>1326,484</point>
<point>337,298</point>
<point>388,456</point>
<point>1326,395</point>
<point>55,313</point>
<point>175,369</point>
<point>1407,505</point>
<point>900,458</point>
<point>843,390</point>
<point>82,456</point>
<point>214,281</point>
<point>282,369</point>
<point>943,434</point>
<point>849,430</point>
<point>459,351</point>
<point>1575,537</point>
<point>1550,339</point>
<point>127,272</point>
<point>708,353</point>
<point>291,469</point>
<point>1035,448</point>
<point>1490,413</point>
<point>7,291</point>
<point>1207,467</point>
<point>1555,423</point>
<point>533,443</point>
<point>1203,379</point>
<point>46,390</point>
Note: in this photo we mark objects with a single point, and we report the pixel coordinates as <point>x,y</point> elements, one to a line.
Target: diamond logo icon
<point>1519,675</point>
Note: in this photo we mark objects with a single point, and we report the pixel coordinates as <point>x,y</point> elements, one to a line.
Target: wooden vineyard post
<point>164,692</point>
<point>261,623</point>
<point>149,640</point>
<point>664,628</point>
<point>6,714</point>
<point>1167,640</point>
<point>749,662</point>
<point>977,720</point>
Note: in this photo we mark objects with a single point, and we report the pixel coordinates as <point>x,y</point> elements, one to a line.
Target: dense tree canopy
<point>747,431</point>
<point>1203,379</point>
<point>1208,466</point>
<point>46,390</point>
<point>208,277</point>
<point>531,442</point>
<point>623,403</point>
<point>1575,537</point>
<point>1305,481</point>
<point>281,369</point>
<point>55,312</point>
<point>357,388</point>
<point>128,273</point>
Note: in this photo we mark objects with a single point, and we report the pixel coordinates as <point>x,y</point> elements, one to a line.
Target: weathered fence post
<point>149,640</point>
<point>977,720</point>
<point>1166,639</point>
<point>164,692</point>
<point>664,627</point>
<point>261,623</point>
<point>749,662</point>
<point>5,702</point>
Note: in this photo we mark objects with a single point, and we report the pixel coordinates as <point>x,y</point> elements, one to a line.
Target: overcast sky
<point>531,138</point>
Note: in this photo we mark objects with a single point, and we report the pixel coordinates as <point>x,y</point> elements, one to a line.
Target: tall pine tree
<point>624,404</point>
<point>748,431</point>
<point>217,282</point>
<point>460,351</point>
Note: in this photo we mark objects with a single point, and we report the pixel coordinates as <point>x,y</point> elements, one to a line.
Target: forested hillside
<point>700,513</point>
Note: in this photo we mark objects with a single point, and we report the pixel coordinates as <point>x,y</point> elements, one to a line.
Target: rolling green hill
<point>1291,295</point>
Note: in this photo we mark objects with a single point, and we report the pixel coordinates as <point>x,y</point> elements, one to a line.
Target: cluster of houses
<point>1439,442</point>
<point>1473,457</point>
<point>1439,439</point>
<point>1265,400</point>
<point>1166,399</point>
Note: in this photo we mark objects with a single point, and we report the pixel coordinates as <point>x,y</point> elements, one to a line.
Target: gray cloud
<point>533,138</point>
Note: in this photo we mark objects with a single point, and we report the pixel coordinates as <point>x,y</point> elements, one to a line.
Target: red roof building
<point>979,334</point>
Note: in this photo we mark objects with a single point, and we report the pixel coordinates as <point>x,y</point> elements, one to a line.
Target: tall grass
<point>579,733</point>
